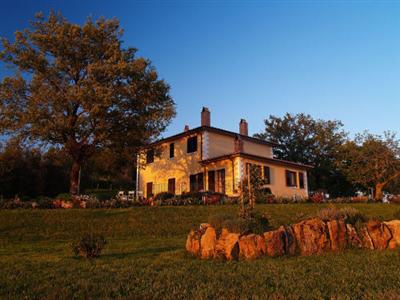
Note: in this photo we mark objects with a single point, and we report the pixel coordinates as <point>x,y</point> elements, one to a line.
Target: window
<point>192,144</point>
<point>150,156</point>
<point>171,150</point>
<point>171,186</point>
<point>301,180</point>
<point>267,175</point>
<point>220,181</point>
<point>196,182</point>
<point>211,181</point>
<point>291,179</point>
<point>149,189</point>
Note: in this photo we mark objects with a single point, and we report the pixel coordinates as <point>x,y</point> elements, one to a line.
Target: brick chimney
<point>186,128</point>
<point>205,117</point>
<point>243,127</point>
<point>238,145</point>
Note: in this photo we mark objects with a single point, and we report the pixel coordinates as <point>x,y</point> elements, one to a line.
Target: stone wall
<point>308,237</point>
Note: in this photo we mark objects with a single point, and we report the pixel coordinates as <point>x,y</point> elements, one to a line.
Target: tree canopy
<point>306,140</point>
<point>371,161</point>
<point>75,86</point>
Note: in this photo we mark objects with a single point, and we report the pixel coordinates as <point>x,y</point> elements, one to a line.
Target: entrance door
<point>171,186</point>
<point>149,189</point>
<point>220,182</point>
<point>211,181</point>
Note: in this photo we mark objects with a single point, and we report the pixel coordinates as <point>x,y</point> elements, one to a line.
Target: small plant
<point>89,245</point>
<point>257,223</point>
<point>349,214</point>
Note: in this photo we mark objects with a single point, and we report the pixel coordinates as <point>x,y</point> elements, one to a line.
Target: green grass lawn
<point>145,258</point>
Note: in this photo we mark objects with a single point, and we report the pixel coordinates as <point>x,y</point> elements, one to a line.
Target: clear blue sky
<point>248,59</point>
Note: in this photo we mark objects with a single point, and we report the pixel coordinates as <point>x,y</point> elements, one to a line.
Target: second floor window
<point>192,144</point>
<point>291,179</point>
<point>150,156</point>
<point>171,150</point>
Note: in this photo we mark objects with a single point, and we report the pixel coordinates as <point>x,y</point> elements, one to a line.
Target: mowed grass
<point>145,258</point>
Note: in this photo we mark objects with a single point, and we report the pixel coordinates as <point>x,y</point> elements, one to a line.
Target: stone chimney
<point>243,127</point>
<point>186,128</point>
<point>205,117</point>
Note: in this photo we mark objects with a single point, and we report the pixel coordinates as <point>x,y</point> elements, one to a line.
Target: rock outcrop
<point>337,234</point>
<point>311,236</point>
<point>208,243</point>
<point>394,227</point>
<point>252,246</point>
<point>308,237</point>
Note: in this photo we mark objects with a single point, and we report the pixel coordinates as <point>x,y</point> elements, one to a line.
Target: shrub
<point>117,203</point>
<point>89,245</point>
<point>12,204</point>
<point>352,215</point>
<point>103,195</point>
<point>329,213</point>
<point>348,214</point>
<point>217,221</point>
<point>163,196</point>
<point>93,202</point>
<point>257,223</point>
<point>264,195</point>
<point>316,197</point>
<point>45,202</point>
<point>64,196</point>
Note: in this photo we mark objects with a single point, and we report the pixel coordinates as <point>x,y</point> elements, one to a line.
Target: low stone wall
<point>308,237</point>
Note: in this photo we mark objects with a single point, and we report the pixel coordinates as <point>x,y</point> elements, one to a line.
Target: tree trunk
<point>74,178</point>
<point>378,191</point>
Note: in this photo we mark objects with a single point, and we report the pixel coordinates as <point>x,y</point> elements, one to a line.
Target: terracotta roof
<point>257,158</point>
<point>212,129</point>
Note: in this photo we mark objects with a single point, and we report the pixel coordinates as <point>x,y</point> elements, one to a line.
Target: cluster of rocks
<point>308,237</point>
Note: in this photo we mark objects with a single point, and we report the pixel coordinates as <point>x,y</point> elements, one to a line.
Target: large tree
<point>371,161</point>
<point>309,141</point>
<point>76,86</point>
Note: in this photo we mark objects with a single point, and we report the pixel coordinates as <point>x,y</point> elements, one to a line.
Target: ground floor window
<point>171,186</point>
<point>267,175</point>
<point>196,182</point>
<point>301,180</point>
<point>216,181</point>
<point>291,179</point>
<point>149,189</point>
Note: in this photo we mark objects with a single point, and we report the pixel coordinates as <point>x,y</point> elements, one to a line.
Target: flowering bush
<point>316,197</point>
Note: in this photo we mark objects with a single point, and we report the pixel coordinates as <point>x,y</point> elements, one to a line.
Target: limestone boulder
<point>311,236</point>
<point>366,239</point>
<point>232,246</point>
<point>394,227</point>
<point>208,243</point>
<point>379,233</point>
<point>353,239</point>
<point>193,242</point>
<point>275,242</point>
<point>227,246</point>
<point>337,234</point>
<point>252,246</point>
<point>290,241</point>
